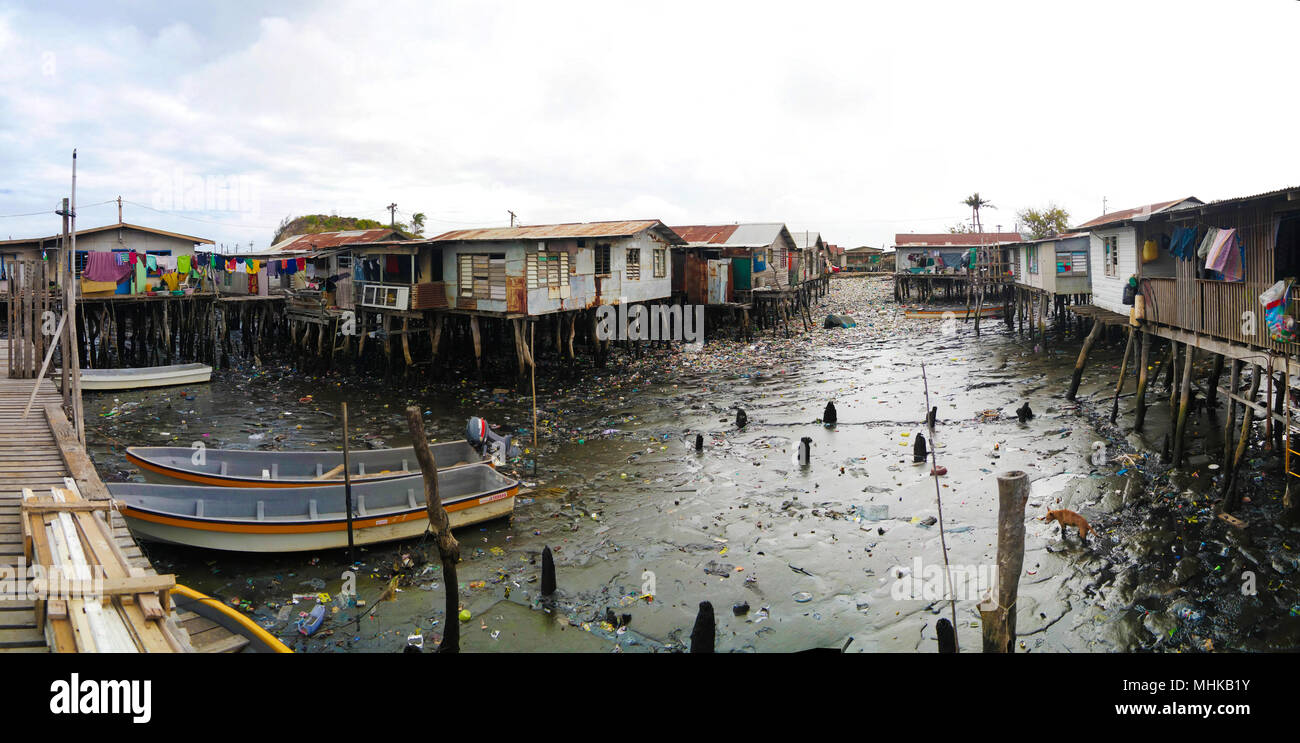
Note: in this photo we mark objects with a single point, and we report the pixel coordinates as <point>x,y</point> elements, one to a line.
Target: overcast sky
<point>859,120</point>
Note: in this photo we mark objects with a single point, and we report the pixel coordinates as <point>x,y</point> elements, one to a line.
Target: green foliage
<point>311,224</point>
<point>1040,223</point>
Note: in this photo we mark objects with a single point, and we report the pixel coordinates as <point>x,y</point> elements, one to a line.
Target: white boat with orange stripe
<point>309,518</point>
<point>236,468</point>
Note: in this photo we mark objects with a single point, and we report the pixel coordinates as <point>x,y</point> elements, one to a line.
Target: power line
<point>52,211</point>
<point>196,219</point>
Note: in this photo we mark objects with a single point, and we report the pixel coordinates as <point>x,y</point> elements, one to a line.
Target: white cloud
<point>858,121</point>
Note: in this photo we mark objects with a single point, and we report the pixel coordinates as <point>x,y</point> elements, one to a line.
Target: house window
<point>1110,247</point>
<point>481,275</point>
<point>602,260</point>
<point>1031,255</point>
<point>661,263</point>
<point>546,270</point>
<point>633,264</point>
<point>1073,264</point>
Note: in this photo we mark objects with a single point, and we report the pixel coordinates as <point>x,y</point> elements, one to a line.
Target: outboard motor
<point>487,443</point>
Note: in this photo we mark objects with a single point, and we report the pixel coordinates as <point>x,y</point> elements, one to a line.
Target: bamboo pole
<point>439,524</point>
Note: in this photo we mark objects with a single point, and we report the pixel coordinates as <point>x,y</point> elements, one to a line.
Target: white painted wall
<point>1108,291</point>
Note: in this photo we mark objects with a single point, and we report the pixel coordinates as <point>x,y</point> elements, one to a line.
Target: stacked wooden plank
<point>95,600</point>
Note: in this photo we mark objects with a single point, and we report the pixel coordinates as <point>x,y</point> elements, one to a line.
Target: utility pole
<point>1103,205</point>
<point>392,215</point>
<point>512,217</point>
<point>119,210</point>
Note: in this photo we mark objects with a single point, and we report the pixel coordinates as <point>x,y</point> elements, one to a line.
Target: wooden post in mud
<point>703,635</point>
<point>1083,358</point>
<point>1144,357</point>
<point>1231,499</point>
<point>347,483</point>
<point>1184,398</point>
<point>1212,391</point>
<point>999,622</point>
<point>440,526</point>
<point>1123,369</point>
<point>1234,383</point>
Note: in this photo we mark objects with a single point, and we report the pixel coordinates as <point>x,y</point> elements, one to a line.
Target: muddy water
<point>817,554</point>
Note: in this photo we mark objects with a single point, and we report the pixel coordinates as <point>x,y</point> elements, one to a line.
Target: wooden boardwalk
<point>38,453</point>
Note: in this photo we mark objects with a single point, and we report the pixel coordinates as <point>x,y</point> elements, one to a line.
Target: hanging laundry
<point>151,262</point>
<point>1224,255</point>
<point>183,264</point>
<point>172,280</point>
<point>1210,236</point>
<point>103,266</point>
<point>302,264</point>
<point>390,265</point>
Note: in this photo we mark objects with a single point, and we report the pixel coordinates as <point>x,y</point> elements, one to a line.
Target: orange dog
<point>1069,518</point>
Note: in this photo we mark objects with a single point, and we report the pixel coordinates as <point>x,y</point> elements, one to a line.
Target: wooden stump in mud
<point>440,526</point>
<point>999,621</point>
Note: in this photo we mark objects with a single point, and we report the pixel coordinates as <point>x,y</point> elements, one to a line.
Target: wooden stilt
<point>1083,358</point>
<point>1234,385</point>
<point>1143,376</point>
<point>1123,368</point>
<point>1184,399</point>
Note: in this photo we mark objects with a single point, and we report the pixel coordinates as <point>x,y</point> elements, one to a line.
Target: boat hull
<point>373,531</point>
<point>959,313</point>
<point>311,518</point>
<point>153,376</point>
<point>229,468</point>
<point>259,640</point>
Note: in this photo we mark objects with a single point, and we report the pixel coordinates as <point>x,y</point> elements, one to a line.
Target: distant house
<point>811,257</point>
<point>120,237</point>
<point>945,252</point>
<point>341,265</point>
<point>863,258</point>
<point>1114,244</point>
<point>1055,265</point>
<point>759,254</point>
<point>542,269</point>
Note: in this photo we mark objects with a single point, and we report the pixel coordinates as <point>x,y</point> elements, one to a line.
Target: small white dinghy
<point>148,376</point>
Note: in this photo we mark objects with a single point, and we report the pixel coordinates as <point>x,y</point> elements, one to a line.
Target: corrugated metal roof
<point>806,239</point>
<point>1126,214</point>
<point>563,231</point>
<point>954,239</point>
<point>117,226</point>
<point>323,240</point>
<point>756,234</point>
<point>701,233</point>
<point>1265,195</point>
<point>1062,236</point>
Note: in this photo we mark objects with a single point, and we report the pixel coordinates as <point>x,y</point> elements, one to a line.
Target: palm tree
<point>976,203</point>
<point>417,223</point>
